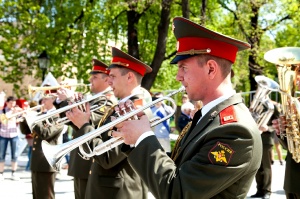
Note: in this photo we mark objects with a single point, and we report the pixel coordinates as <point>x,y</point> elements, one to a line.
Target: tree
<point>253,11</point>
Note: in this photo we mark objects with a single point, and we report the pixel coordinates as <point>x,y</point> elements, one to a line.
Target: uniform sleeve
<point>205,172</point>
<point>46,131</point>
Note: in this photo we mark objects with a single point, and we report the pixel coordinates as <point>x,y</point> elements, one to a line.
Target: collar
<point>217,101</point>
<point>136,91</point>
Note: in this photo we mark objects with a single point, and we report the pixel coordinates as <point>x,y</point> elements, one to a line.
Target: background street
<point>64,184</point>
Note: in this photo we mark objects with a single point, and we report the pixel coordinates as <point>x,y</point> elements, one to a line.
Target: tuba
<point>287,60</point>
<point>261,107</point>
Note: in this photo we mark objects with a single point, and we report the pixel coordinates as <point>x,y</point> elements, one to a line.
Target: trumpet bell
<point>283,56</point>
<point>54,154</point>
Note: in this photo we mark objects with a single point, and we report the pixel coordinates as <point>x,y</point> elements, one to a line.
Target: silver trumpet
<point>32,121</point>
<point>55,153</point>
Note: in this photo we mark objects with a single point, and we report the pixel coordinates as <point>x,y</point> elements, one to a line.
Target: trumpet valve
<point>129,104</point>
<point>117,110</point>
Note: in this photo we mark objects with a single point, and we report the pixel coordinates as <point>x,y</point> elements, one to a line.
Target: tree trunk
<point>185,8</point>
<point>160,50</point>
<point>132,34</point>
<point>203,12</point>
<point>255,37</point>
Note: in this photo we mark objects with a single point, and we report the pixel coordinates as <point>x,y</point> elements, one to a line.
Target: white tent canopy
<point>49,80</point>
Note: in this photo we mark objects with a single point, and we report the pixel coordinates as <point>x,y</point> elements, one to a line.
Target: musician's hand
<point>16,109</point>
<point>79,117</point>
<point>276,126</point>
<point>64,94</point>
<point>131,130</point>
<point>264,128</point>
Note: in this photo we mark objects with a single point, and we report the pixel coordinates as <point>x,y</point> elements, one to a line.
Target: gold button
<point>33,149</point>
<point>90,172</point>
<point>93,160</point>
<point>36,136</point>
<point>34,142</point>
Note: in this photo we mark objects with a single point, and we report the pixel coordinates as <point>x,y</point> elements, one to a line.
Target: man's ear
<point>130,76</point>
<point>212,68</point>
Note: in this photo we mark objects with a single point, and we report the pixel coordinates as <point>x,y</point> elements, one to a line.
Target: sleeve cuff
<point>143,136</point>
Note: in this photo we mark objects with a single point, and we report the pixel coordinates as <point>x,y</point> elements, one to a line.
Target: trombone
<point>55,153</point>
<point>31,121</point>
<point>32,89</point>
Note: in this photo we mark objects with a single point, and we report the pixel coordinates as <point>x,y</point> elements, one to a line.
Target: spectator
<point>185,99</point>
<point>9,134</point>
<point>185,116</point>
<point>162,130</point>
<point>278,150</point>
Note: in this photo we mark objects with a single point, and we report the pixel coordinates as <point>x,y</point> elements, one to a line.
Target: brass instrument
<point>55,153</point>
<point>32,90</point>
<point>261,106</point>
<point>20,115</point>
<point>287,60</point>
<point>31,121</point>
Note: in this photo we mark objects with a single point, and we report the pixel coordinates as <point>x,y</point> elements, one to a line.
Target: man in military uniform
<point>292,168</point>
<point>79,166</point>
<point>111,176</point>
<point>264,174</point>
<point>220,154</point>
<point>42,174</point>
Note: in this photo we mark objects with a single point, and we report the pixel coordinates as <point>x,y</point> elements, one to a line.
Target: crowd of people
<point>220,149</point>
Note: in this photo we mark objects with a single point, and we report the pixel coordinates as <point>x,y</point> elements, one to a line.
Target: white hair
<point>186,106</point>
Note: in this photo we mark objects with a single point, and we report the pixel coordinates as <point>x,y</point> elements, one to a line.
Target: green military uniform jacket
<point>218,158</point>
<point>111,175</point>
<point>79,167</point>
<point>42,131</point>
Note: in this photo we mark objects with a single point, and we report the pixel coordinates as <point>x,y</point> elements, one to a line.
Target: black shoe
<point>272,162</point>
<point>281,163</point>
<point>266,196</point>
<point>257,195</point>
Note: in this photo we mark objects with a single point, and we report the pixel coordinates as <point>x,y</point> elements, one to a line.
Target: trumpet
<point>32,89</point>
<point>19,115</point>
<point>31,121</point>
<point>55,153</point>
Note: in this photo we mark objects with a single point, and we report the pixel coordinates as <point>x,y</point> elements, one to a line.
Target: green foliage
<point>75,31</point>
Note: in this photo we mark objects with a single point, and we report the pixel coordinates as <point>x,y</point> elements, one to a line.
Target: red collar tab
<point>208,46</point>
<point>228,115</point>
<point>129,64</point>
<point>100,69</point>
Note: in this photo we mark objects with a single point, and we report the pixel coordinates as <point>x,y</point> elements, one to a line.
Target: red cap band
<point>100,69</point>
<point>218,48</point>
<point>129,64</point>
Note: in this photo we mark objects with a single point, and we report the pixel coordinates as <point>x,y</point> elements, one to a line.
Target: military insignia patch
<point>228,115</point>
<point>220,154</point>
